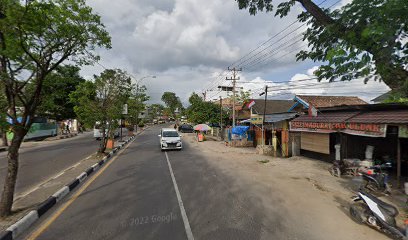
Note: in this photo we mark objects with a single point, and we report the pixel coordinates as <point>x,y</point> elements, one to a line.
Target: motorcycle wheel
<point>394,233</point>
<point>335,171</point>
<point>357,213</point>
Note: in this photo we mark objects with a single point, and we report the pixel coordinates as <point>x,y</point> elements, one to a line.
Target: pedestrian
<point>67,128</point>
<point>80,127</point>
<point>62,127</point>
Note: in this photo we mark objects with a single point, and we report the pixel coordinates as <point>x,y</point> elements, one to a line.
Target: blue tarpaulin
<point>240,130</point>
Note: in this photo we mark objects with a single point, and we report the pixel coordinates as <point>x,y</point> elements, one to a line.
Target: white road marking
<point>181,205</point>
<point>34,188</point>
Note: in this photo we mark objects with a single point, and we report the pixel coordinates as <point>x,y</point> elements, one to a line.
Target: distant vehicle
<point>170,139</point>
<point>216,125</point>
<point>161,121</point>
<point>97,131</point>
<point>186,128</point>
<point>41,128</point>
<point>155,121</point>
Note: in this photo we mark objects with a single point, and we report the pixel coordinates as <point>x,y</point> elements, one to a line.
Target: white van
<point>170,139</point>
<point>97,132</point>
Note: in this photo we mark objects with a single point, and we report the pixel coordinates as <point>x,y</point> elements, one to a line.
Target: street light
<point>137,96</point>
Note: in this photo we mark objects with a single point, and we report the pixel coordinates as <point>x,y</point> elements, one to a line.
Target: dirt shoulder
<point>305,184</point>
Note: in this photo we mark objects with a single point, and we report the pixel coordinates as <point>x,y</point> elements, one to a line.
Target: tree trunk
<point>102,145</point>
<point>7,197</point>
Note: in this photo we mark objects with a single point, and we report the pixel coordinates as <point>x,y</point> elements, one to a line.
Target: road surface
<point>46,159</point>
<point>144,193</point>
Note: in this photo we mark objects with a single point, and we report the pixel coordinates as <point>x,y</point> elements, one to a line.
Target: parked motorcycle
<point>370,210</point>
<point>344,167</point>
<point>376,178</point>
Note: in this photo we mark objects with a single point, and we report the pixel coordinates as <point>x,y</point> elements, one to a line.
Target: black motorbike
<point>376,178</point>
<point>367,209</point>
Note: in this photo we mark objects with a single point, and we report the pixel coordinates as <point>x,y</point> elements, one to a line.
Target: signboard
<point>125,109</point>
<point>361,129</point>
<point>257,120</point>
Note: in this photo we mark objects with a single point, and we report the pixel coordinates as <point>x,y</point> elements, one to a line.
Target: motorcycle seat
<point>383,206</point>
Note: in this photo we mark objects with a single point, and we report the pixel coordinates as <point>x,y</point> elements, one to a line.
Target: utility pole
<point>221,117</point>
<point>264,113</point>
<point>205,95</point>
<point>233,79</point>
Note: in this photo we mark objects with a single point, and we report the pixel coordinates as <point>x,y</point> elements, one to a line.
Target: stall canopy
<point>239,130</point>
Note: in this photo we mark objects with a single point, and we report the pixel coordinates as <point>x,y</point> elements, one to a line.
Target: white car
<point>170,139</point>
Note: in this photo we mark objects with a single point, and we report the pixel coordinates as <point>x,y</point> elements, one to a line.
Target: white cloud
<point>307,84</point>
<point>188,43</point>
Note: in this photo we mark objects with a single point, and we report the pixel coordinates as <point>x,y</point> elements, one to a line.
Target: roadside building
<point>271,135</point>
<point>353,130</point>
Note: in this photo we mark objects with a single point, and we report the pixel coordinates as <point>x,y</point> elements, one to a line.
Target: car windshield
<point>170,134</point>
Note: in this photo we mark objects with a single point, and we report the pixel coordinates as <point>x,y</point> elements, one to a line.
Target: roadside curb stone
<point>29,219</point>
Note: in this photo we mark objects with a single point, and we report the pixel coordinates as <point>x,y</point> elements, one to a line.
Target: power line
<point>268,40</point>
<point>263,44</point>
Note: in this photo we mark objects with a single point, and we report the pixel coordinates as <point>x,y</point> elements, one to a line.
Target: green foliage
<point>396,98</point>
<point>102,101</point>
<point>37,36</point>
<point>155,110</point>
<point>241,97</point>
<point>172,103</point>
<point>202,112</point>
<point>136,104</point>
<point>362,39</point>
<point>58,85</point>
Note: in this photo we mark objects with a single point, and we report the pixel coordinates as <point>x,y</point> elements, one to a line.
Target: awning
<point>273,118</point>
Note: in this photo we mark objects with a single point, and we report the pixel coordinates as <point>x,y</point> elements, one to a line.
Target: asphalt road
<point>40,162</point>
<point>134,197</point>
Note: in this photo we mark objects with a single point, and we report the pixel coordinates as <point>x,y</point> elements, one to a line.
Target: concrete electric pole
<point>234,78</point>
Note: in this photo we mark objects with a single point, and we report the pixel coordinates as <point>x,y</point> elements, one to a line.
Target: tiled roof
<point>379,117</point>
<point>331,101</point>
<point>389,117</point>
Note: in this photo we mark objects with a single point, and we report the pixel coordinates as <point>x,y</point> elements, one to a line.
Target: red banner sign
<point>363,129</point>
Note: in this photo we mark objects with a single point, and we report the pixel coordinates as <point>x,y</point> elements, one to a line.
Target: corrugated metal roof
<point>337,117</point>
<point>272,106</point>
<point>388,117</point>
<point>279,117</point>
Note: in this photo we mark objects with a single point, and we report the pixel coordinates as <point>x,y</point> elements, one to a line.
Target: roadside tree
<point>101,102</point>
<point>172,103</point>
<point>137,104</point>
<point>200,111</point>
<point>155,110</point>
<point>55,102</point>
<point>35,38</point>
<point>362,39</point>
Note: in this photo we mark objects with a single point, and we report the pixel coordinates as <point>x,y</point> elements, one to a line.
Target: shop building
<point>348,131</point>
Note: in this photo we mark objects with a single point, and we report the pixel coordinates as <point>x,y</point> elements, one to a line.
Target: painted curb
<point>29,219</point>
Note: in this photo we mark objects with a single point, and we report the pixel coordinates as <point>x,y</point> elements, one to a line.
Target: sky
<point>188,45</point>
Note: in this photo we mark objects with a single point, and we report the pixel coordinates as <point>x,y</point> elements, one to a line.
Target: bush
<point>141,124</point>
